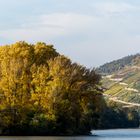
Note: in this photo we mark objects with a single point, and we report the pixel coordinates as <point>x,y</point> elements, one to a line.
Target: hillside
<point>116,65</point>
<point>122,85</point>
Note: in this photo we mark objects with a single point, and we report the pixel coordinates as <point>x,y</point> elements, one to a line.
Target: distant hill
<point>117,65</point>
<point>121,91</point>
<point>121,81</point>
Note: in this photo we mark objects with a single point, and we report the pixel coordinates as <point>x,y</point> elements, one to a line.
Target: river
<point>118,134</point>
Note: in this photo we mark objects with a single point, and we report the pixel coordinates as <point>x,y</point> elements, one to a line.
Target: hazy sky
<point>90,32</point>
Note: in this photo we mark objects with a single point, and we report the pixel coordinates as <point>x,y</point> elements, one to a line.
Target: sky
<point>90,32</point>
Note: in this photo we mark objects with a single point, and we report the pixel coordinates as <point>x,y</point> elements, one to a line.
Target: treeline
<point>116,65</point>
<point>115,116</point>
<point>44,93</point>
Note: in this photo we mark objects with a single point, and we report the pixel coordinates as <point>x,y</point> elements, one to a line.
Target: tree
<point>44,93</point>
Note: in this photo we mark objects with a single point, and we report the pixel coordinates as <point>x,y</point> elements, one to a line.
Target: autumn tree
<point>44,93</point>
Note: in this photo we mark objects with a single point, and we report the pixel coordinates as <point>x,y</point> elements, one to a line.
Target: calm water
<point>120,134</point>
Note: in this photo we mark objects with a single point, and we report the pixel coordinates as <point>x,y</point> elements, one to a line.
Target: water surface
<point>118,134</point>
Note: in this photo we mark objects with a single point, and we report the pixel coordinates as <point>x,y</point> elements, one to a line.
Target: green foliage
<point>114,116</point>
<point>115,89</point>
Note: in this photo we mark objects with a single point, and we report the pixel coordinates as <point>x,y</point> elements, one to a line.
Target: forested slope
<point>122,86</point>
<point>116,65</point>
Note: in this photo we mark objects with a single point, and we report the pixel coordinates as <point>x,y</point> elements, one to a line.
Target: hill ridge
<point>116,65</point>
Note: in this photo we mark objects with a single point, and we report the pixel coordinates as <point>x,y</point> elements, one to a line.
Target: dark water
<point>119,134</point>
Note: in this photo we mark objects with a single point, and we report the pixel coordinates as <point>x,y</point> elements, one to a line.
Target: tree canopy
<point>44,93</point>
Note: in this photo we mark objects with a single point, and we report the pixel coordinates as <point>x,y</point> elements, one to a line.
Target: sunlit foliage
<point>44,93</point>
